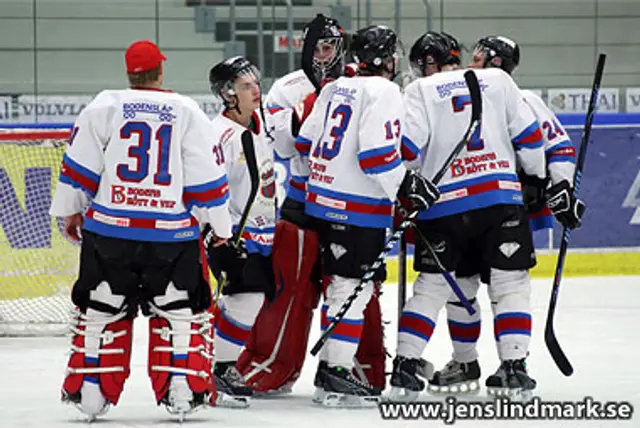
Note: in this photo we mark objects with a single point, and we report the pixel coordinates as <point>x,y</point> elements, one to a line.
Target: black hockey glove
<point>533,192</point>
<point>421,192</point>
<point>566,208</point>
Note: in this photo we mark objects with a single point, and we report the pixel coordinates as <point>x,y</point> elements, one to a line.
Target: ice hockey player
<point>480,213</point>
<point>247,268</point>
<point>462,373</point>
<point>276,349</point>
<point>355,176</point>
<point>135,184</point>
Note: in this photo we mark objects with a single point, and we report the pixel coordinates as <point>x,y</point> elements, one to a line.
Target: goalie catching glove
<point>421,192</point>
<point>566,208</point>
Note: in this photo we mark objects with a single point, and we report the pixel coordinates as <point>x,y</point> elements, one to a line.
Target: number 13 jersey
<point>352,138</point>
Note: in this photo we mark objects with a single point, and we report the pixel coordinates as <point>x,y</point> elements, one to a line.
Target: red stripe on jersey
<point>375,161</point>
<point>356,207</point>
<point>140,223</point>
<point>77,177</point>
<point>207,195</point>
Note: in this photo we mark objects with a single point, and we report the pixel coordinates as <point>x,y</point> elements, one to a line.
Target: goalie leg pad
<point>276,349</point>
<point>180,354</point>
<point>99,364</point>
<point>371,353</point>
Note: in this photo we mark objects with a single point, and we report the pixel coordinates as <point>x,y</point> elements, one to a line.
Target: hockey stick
<point>402,281</point>
<point>476,116</point>
<point>254,175</point>
<point>550,338</point>
<point>314,30</point>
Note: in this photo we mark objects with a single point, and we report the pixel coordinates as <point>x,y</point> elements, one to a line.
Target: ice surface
<point>597,325</point>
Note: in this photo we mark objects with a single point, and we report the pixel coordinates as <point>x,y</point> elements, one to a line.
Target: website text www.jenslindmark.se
<point>451,410</point>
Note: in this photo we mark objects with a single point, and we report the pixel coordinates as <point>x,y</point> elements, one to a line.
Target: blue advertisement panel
<point>610,187</point>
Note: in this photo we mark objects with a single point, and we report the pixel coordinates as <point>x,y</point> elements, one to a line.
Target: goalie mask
<point>499,52</point>
<point>329,51</point>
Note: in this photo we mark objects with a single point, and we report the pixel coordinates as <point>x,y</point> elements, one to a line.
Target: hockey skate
<point>511,380</point>
<point>408,378</point>
<point>318,382</point>
<point>340,388</point>
<point>232,391</point>
<point>180,399</point>
<point>456,379</point>
<point>89,400</point>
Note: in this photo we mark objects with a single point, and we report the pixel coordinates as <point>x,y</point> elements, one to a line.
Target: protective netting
<point>38,264</point>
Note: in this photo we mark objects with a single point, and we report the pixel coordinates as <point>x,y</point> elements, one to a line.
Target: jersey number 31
<point>140,152</point>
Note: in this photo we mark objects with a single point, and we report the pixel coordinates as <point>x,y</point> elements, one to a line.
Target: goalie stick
<point>550,337</point>
<point>254,175</point>
<point>476,117</point>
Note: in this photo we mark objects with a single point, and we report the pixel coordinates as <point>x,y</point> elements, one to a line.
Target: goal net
<point>38,265</point>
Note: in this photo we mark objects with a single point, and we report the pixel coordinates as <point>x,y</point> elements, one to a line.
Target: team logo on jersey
<point>118,195</point>
<point>268,180</point>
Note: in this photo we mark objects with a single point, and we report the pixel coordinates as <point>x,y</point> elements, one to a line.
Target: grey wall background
<point>77,46</point>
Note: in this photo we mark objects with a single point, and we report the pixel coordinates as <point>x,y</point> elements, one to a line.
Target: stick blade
<point>556,351</point>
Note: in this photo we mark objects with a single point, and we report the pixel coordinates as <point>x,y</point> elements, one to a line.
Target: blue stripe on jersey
<point>379,160</point>
<point>139,234</point>
<point>88,180</point>
<point>140,214</point>
<point>296,186</point>
<point>81,169</point>
<point>207,195</point>
<point>303,145</point>
<point>530,138</point>
<point>409,149</point>
<point>189,233</point>
<point>346,216</point>
<point>477,201</point>
<point>563,146</point>
<point>478,180</point>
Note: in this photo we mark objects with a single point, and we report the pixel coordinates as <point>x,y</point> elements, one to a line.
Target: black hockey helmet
<point>223,74</point>
<point>500,52</point>
<point>430,49</point>
<point>331,37</point>
<point>454,49</point>
<point>372,47</point>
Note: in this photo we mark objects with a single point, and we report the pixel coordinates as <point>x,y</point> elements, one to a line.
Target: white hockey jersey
<point>285,93</point>
<point>139,161</point>
<point>559,150</point>
<point>260,227</point>
<point>353,139</point>
<point>484,173</point>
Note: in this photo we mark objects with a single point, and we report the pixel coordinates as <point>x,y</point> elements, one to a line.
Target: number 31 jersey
<point>352,138</point>
<point>140,161</point>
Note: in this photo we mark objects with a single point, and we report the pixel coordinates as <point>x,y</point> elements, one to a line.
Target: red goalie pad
<point>163,361</point>
<point>276,348</point>
<point>371,352</point>
<point>109,370</point>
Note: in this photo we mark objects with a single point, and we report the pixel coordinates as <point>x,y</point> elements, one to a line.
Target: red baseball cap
<point>143,55</point>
